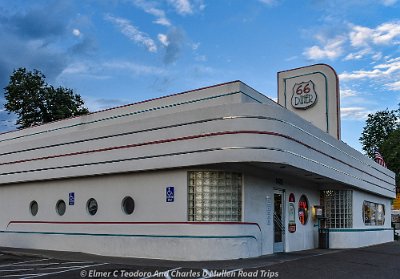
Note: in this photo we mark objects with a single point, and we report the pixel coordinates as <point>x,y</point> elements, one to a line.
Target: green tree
<point>378,128</point>
<point>390,151</point>
<point>35,102</point>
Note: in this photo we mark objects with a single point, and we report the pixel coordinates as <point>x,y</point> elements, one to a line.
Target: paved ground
<point>381,261</point>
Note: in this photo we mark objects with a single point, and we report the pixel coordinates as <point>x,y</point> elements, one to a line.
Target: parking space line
<point>14,270</point>
<point>60,267</point>
<point>76,263</point>
<point>39,264</point>
<point>20,263</point>
<point>59,272</point>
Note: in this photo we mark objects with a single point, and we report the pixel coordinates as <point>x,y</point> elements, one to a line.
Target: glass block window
<point>338,206</point>
<point>214,196</point>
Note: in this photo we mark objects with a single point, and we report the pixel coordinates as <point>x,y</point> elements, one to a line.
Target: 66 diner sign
<point>304,95</point>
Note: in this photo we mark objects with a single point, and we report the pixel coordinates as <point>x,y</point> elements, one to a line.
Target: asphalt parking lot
<point>380,261</point>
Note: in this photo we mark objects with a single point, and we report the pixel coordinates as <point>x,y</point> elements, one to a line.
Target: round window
<point>60,207</point>
<point>128,205</point>
<point>303,210</point>
<point>34,208</point>
<point>92,206</point>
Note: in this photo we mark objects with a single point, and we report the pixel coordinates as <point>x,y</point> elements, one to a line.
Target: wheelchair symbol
<point>170,194</point>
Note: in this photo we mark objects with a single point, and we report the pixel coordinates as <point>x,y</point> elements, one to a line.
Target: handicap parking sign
<point>170,194</point>
<point>71,198</point>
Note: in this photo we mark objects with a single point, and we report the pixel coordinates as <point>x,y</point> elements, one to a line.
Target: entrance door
<point>279,228</point>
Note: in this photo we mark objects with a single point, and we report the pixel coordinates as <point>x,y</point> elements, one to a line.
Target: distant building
<point>215,173</point>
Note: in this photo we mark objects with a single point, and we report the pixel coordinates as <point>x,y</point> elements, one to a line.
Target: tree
<point>390,151</point>
<point>35,102</point>
<point>378,128</point>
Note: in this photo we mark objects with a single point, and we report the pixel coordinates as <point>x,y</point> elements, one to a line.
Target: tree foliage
<point>390,151</point>
<point>377,129</point>
<point>35,102</point>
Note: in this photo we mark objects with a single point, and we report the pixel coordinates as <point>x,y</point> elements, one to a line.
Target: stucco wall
<point>156,229</point>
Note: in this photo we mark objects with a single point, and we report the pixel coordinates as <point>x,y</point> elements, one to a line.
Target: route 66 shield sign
<point>304,95</point>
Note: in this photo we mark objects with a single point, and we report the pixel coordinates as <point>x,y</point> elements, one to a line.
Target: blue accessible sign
<point>170,194</point>
<point>71,198</point>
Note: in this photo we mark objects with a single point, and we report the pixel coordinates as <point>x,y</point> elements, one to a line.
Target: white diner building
<point>221,172</point>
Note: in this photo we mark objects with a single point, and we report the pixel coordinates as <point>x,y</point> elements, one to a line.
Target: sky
<point>115,52</point>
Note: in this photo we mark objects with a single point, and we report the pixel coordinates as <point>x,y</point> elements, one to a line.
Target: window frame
<point>87,206</point>
<point>58,203</point>
<point>30,208</point>
<point>123,208</point>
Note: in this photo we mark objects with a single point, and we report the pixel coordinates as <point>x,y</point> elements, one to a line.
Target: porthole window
<point>303,210</point>
<point>128,205</point>
<point>34,208</point>
<point>60,207</point>
<point>91,206</point>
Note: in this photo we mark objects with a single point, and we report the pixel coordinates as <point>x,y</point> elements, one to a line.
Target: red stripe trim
<point>134,223</point>
<point>189,138</point>
<point>144,144</point>
<point>127,105</point>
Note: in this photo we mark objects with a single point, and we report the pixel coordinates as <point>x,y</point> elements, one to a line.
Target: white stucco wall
<point>262,183</point>
<point>360,234</point>
<point>156,229</point>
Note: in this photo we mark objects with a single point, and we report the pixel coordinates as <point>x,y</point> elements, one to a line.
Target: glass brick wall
<point>338,206</point>
<point>214,196</point>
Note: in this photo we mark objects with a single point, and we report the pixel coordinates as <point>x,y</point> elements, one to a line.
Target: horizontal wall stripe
<point>190,138</point>
<point>193,152</point>
<point>131,113</point>
<point>132,235</point>
<point>128,105</point>
<point>360,230</point>
<point>135,223</point>
<point>200,122</point>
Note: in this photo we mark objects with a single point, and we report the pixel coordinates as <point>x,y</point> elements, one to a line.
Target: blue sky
<point>114,52</point>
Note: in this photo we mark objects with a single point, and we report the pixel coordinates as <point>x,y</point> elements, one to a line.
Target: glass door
<point>279,227</point>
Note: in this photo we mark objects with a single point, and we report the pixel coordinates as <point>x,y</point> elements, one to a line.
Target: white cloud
<point>345,93</point>
<point>354,113</point>
<point>394,86</point>
<point>183,7</point>
<point>135,69</point>
<point>332,49</point>
<point>200,58</point>
<point>383,34</point>
<point>95,104</point>
<point>76,68</point>
<point>386,70</point>
<point>292,58</point>
<point>388,2</point>
<point>149,8</point>
<point>357,55</point>
<point>386,33</point>
<point>163,39</point>
<point>360,74</point>
<point>360,35</point>
<point>76,32</point>
<point>195,46</point>
<point>377,56</point>
<point>268,2</point>
<point>133,33</point>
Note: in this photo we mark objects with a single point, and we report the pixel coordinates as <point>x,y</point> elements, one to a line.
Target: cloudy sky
<point>114,52</point>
